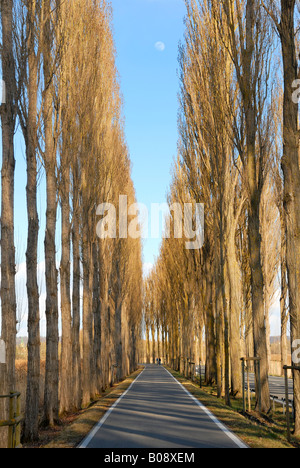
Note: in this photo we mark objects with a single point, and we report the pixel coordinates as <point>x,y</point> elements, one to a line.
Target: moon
<point>160,46</point>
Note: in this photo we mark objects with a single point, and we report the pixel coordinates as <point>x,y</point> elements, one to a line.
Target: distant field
<point>21,380</point>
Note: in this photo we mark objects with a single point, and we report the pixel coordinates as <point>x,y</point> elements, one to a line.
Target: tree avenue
<point>207,299</point>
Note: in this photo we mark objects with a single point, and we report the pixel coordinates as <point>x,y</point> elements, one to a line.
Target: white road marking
<point>94,431</point>
<point>225,429</point>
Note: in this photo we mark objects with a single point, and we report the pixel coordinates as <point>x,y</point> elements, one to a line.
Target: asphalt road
<point>157,412</point>
<point>276,385</point>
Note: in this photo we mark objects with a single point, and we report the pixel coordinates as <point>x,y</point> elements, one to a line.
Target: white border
<point>91,435</point>
<point>225,429</point>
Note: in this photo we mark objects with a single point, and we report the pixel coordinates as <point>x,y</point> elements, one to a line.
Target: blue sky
<point>149,84</point>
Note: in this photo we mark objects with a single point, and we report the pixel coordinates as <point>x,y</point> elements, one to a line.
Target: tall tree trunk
<point>76,360</point>
<point>93,272</point>
<point>284,293</point>
<point>97,318</point>
<point>291,171</point>
<point>219,349</point>
<point>104,325</point>
<point>153,342</point>
<point>31,423</point>
<point>51,408</point>
<point>87,321</point>
<point>147,343</point>
<point>210,365</point>
<point>118,337</point>
<point>235,313</point>
<point>223,279</point>
<point>118,345</point>
<point>66,368</point>
<point>267,323</point>
<point>258,316</point>
<point>8,268</point>
<point>254,194</point>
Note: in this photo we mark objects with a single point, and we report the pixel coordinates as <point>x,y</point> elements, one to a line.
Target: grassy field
<point>21,379</point>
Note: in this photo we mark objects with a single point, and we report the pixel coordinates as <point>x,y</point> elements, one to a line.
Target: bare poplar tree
<point>28,116</point>
<point>284,19</point>
<point>249,40</point>
<point>51,407</point>
<point>8,268</point>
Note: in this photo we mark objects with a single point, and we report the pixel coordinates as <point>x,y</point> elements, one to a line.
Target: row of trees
<point>58,64</point>
<point>238,153</point>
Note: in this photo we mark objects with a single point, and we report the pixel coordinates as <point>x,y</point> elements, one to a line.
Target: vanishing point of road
<point>158,412</point>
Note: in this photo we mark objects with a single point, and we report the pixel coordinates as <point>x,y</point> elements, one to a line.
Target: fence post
<point>200,373</point>
<point>259,386</point>
<point>14,421</point>
<point>243,380</point>
<point>248,389</point>
<point>18,427</point>
<point>11,417</point>
<point>287,406</point>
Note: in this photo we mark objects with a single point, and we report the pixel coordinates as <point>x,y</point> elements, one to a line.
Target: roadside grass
<point>254,430</point>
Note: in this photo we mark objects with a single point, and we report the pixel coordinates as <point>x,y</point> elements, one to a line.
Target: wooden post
<point>256,363</point>
<point>3,390</point>
<point>11,417</point>
<point>287,406</point>
<point>14,421</point>
<point>243,380</point>
<point>200,373</point>
<point>18,428</point>
<point>259,386</point>
<point>248,389</point>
